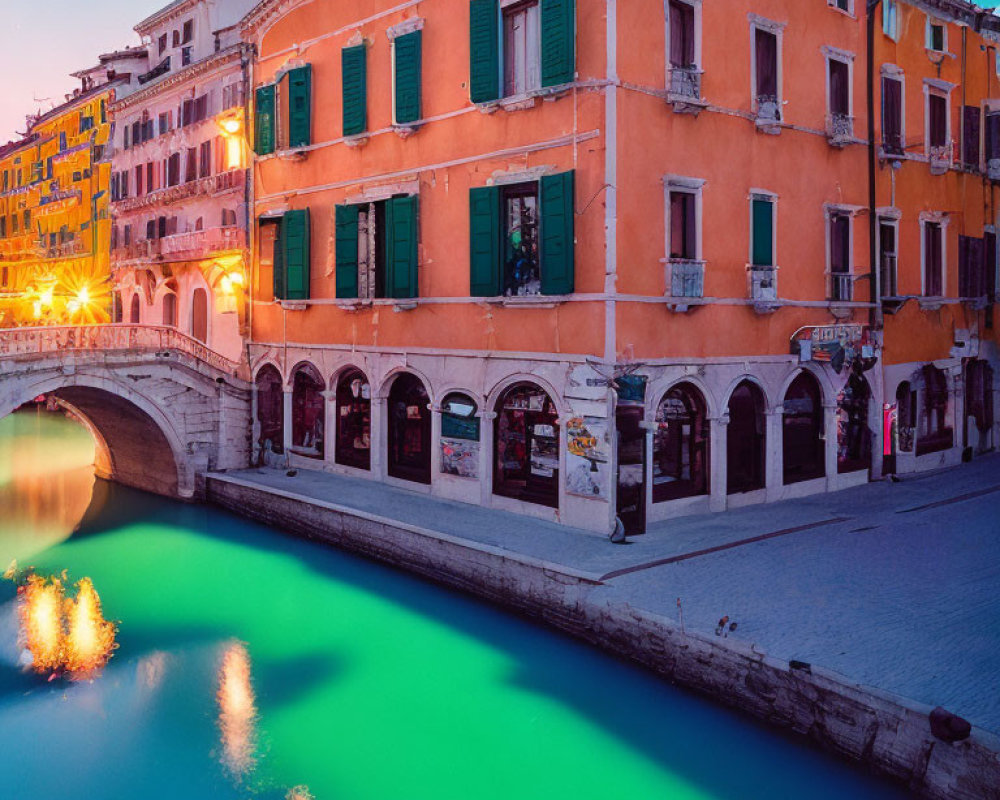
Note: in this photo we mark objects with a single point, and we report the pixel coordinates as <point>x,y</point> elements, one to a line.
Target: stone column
<point>380,435</point>
<point>287,421</point>
<point>329,425</point>
<point>956,393</point>
<point>718,455</point>
<point>435,441</point>
<point>486,433</point>
<point>774,463</point>
<point>831,443</point>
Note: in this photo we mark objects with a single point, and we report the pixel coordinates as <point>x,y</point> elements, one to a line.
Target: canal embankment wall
<point>887,733</point>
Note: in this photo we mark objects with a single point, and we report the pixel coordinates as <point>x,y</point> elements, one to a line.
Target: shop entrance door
<point>631,492</point>
<point>409,430</point>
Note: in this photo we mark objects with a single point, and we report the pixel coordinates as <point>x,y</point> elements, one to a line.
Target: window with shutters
<point>932,254</point>
<point>205,160</point>
<point>518,46</point>
<point>840,256</point>
<point>971,268</point>
<point>286,240</point>
<point>972,117</point>
<point>684,49</point>
<point>173,171</point>
<point>139,172</point>
<point>406,78</point>
<point>890,19</point>
<point>765,66</point>
<point>376,249</point>
<point>888,238</point>
<point>354,85</point>
<point>522,238</point>
<point>283,112</point>
<point>938,127</point>
<point>191,165</point>
<point>164,122</point>
<point>685,268</point>
<point>763,273</point>
<point>893,140</point>
<point>839,122</point>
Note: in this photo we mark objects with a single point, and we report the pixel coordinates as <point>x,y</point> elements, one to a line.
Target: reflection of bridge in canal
<point>163,407</point>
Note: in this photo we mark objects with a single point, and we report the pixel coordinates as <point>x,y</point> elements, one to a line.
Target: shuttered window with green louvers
<point>484,50</point>
<point>355,88</point>
<point>300,106</point>
<point>264,121</point>
<point>558,231</point>
<point>347,251</point>
<point>407,65</point>
<point>484,241</point>
<point>295,253</point>
<point>401,247</point>
<point>763,233</point>
<point>279,266</point>
<point>558,41</point>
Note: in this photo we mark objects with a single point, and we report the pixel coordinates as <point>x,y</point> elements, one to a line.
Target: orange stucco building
<point>584,259</point>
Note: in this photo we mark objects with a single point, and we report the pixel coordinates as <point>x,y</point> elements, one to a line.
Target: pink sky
<point>43,43</point>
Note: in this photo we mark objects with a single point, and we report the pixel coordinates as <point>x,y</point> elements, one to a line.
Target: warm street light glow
<point>231,126</point>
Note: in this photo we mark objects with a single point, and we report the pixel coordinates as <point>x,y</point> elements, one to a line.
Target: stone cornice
<point>166,14</point>
<point>175,79</point>
<point>264,12</point>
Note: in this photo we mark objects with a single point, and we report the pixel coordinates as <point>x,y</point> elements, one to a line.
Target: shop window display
<point>354,419</point>
<point>526,446</point>
<point>409,430</point>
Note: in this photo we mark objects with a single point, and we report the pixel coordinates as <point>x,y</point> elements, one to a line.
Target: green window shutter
<point>558,41</point>
<point>557,233</point>
<point>264,121</point>
<point>279,265</point>
<point>295,253</point>
<point>484,239</point>
<point>347,251</point>
<point>763,233</point>
<point>401,247</point>
<point>355,79</point>
<point>484,50</point>
<point>407,55</point>
<point>299,108</point>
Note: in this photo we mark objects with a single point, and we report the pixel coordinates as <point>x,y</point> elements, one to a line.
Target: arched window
<point>802,431</point>
<point>170,309</point>
<point>270,413</point>
<point>526,446</point>
<point>117,313</point>
<point>459,436</point>
<point>934,433</point>
<point>199,315</point>
<point>133,315</point>
<point>680,445</point>
<point>854,450</point>
<point>409,430</point>
<point>354,420</point>
<point>308,415</point>
<point>745,439</point>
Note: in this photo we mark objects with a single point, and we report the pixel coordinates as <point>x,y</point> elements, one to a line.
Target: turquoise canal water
<point>364,683</point>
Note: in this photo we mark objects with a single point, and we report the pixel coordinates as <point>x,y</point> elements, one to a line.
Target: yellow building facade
<point>55,227</point>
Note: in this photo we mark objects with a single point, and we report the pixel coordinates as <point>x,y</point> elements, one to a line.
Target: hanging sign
<point>836,345</point>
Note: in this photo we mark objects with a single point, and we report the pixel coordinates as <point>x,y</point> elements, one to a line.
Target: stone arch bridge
<point>163,408</point>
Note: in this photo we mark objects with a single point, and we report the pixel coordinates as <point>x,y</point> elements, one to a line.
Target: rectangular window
<point>840,87</point>
<point>264,120</point>
<point>933,260</point>
<point>521,41</point>
<point>841,282</point>
<point>971,123</point>
<point>406,64</point>
<point>205,160</point>
<point>936,36</point>
<point>992,138</point>
<point>682,33</point>
<point>766,74</point>
<point>138,180</point>
<point>892,116</point>
<point>299,105</point>
<point>162,43</point>
<point>187,113</point>
<point>376,249</point>
<point>174,169</point>
<point>971,267</point>
<point>292,256</point>
<point>937,120</point>
<point>355,90</point>
<point>188,34</point>
<point>150,186</point>
<point>887,256</point>
<point>890,19</point>
<point>164,123</point>
<point>683,236</point>
<point>201,108</point>
<point>521,270</point>
<point>762,232</point>
<point>186,55</point>
<point>191,165</point>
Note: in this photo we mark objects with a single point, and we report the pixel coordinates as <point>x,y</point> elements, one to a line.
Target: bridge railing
<point>110,338</point>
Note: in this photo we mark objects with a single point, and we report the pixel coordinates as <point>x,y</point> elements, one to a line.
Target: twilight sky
<point>43,43</point>
<point>75,33</point>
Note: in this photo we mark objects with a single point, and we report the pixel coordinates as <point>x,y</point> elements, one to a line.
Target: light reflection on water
<point>251,662</point>
<point>46,481</point>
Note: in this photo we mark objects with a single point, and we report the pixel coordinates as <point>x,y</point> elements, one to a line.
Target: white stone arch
<point>451,387</point>
<point>387,380</point>
<point>658,390</point>
<point>746,376</point>
<point>266,361</point>
<point>828,394</point>
<point>302,362</point>
<point>26,391</point>
<point>493,396</point>
<point>343,369</point>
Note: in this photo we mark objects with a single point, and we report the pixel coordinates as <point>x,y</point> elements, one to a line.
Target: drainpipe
<point>876,268</point>
<point>248,189</point>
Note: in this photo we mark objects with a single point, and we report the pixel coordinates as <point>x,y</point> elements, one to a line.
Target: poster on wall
<point>460,457</point>
<point>588,457</point>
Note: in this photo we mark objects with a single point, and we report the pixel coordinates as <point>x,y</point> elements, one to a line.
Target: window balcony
<point>69,249</point>
<point>685,279</point>
<point>197,244</point>
<point>841,287</point>
<point>940,158</point>
<point>769,113</point>
<point>762,287</point>
<point>209,185</point>
<point>839,129</point>
<point>685,90</point>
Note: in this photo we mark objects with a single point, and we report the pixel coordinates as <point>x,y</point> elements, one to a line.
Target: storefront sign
<point>836,345</point>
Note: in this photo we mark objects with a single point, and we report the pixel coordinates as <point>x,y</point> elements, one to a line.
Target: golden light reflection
<point>42,632</point>
<point>237,711</point>
<point>90,638</point>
